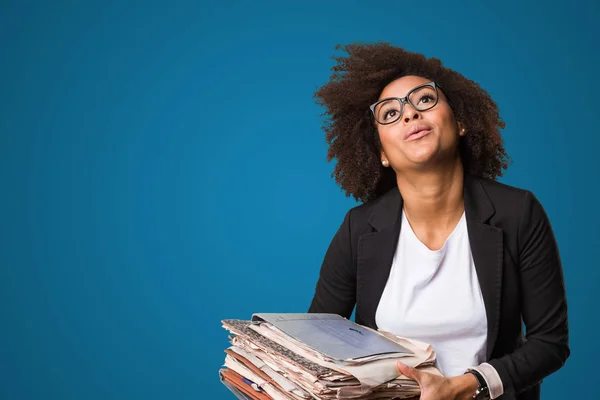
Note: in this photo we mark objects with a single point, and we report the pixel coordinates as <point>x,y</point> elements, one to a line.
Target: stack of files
<point>318,356</point>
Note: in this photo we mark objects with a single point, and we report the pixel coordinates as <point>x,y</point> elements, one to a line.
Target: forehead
<point>401,86</point>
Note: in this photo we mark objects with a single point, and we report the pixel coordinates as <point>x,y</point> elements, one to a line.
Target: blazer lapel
<point>487,249</point>
<point>375,254</point>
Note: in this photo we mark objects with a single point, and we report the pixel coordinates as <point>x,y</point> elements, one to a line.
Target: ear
<point>462,131</point>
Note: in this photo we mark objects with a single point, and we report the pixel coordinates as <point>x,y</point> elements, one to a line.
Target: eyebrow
<point>382,101</point>
<point>426,84</point>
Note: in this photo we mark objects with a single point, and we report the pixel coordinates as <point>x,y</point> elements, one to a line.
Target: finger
<point>409,372</point>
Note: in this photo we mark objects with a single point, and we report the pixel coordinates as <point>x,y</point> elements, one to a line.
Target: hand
<point>435,387</point>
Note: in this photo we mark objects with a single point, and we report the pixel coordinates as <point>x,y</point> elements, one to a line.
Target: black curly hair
<point>356,83</point>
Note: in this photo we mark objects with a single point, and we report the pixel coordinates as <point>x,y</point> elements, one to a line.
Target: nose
<point>409,113</point>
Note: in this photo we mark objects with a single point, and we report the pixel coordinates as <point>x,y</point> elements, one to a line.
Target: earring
<point>463,130</point>
<point>385,163</point>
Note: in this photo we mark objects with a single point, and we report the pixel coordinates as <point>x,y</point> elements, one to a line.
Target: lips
<point>417,131</point>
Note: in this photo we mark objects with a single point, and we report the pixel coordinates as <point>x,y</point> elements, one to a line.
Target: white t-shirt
<point>434,296</point>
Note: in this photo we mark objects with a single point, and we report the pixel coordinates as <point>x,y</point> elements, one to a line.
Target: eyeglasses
<point>422,98</point>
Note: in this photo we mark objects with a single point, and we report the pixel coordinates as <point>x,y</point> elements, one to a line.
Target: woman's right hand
<point>436,387</point>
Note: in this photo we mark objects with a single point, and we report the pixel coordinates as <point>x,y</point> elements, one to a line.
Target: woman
<point>438,251</point>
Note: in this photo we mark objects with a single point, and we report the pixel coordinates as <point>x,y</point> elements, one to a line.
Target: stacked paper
<point>322,356</point>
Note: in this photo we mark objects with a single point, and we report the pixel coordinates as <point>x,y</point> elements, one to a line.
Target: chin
<point>423,156</point>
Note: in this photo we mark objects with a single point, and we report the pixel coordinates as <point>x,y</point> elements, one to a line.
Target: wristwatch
<point>482,392</point>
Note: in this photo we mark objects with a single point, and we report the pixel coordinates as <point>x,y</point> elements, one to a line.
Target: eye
<point>426,99</point>
<point>390,114</point>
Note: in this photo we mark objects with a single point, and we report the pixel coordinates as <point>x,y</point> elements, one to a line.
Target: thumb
<point>409,372</point>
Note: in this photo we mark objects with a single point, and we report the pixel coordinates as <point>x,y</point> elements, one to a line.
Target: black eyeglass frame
<point>405,99</point>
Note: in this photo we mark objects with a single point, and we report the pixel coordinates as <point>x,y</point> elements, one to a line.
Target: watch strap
<point>482,390</point>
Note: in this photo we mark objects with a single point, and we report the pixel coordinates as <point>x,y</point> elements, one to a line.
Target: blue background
<point>162,168</point>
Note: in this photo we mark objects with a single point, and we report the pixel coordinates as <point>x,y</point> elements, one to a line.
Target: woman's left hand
<point>435,387</point>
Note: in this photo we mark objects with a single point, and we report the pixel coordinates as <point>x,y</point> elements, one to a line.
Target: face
<point>419,139</point>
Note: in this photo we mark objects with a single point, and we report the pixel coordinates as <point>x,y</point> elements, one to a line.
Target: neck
<point>434,196</point>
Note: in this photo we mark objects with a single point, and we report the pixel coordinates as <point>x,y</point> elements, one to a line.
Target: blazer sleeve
<point>336,287</point>
<point>543,303</point>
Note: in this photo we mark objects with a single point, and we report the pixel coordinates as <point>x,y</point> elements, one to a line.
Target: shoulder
<point>377,213</point>
<point>513,207</point>
<point>501,192</point>
<point>506,199</point>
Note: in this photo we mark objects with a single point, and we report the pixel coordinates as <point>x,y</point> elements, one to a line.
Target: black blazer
<point>518,268</point>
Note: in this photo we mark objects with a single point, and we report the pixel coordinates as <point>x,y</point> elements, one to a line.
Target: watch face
<point>482,394</point>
